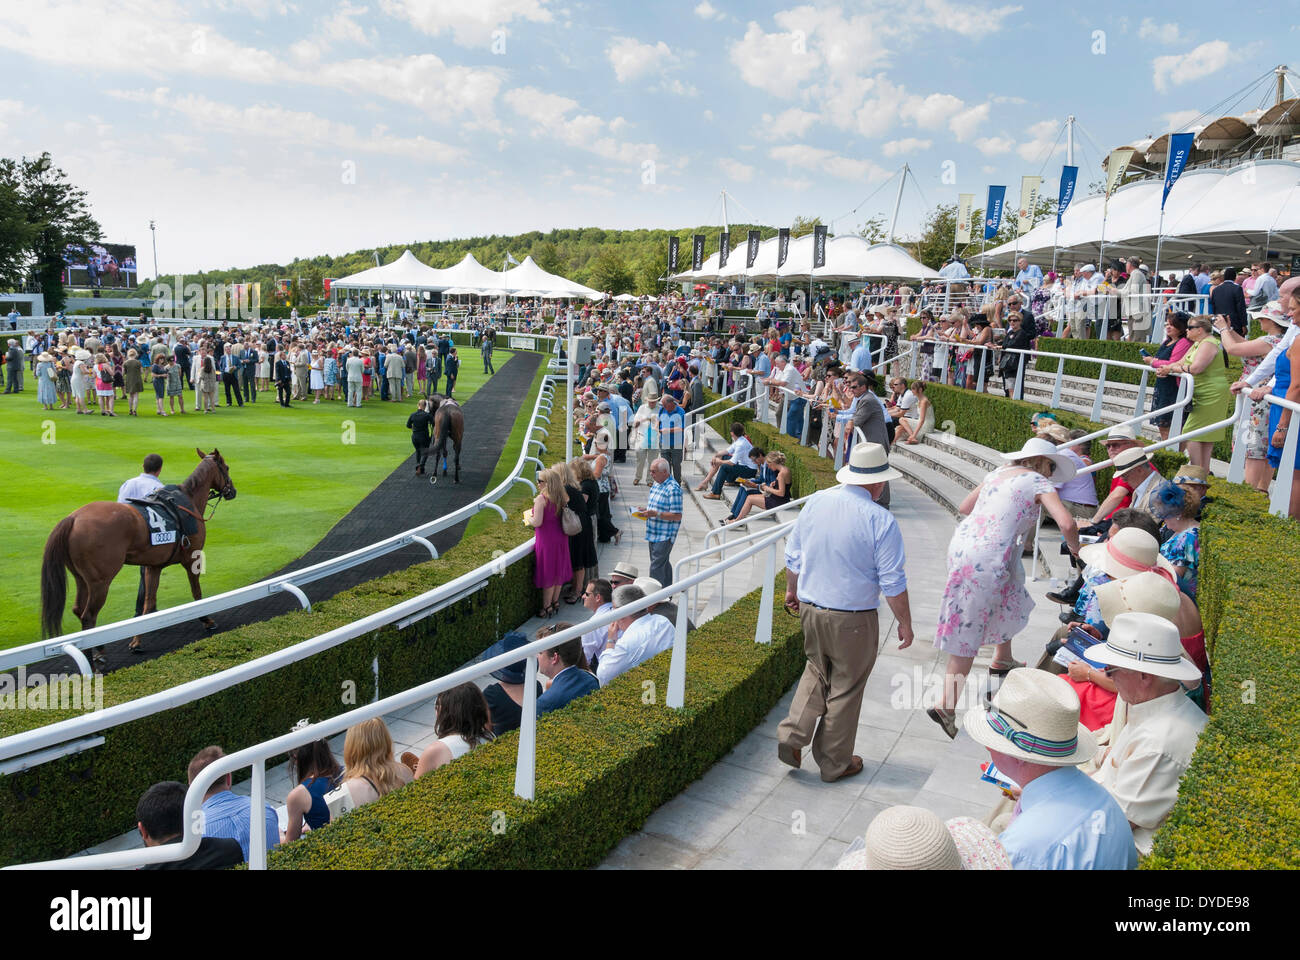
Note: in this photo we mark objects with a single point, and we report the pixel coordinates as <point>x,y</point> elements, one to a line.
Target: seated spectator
<point>316,772</point>
<point>632,639</point>
<point>913,838</point>
<point>1144,763</point>
<point>750,486</point>
<point>369,767</point>
<point>570,679</point>
<point>730,465</point>
<point>775,491</point>
<point>160,818</point>
<point>1133,484</point>
<point>624,573</point>
<point>1066,821</point>
<point>597,597</point>
<point>1177,506</point>
<point>915,413</point>
<point>1147,593</point>
<point>226,814</point>
<point>505,699</point>
<point>463,723</point>
<point>666,608</point>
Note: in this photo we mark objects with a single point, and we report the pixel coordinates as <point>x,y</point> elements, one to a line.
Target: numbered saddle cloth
<point>168,514</point>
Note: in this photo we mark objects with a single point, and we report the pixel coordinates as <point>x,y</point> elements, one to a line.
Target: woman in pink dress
<point>550,544</point>
<point>985,600</point>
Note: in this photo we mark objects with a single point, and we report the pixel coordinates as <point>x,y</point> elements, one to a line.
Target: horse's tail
<point>54,578</point>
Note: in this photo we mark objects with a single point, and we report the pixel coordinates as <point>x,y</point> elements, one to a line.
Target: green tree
<point>935,242</point>
<point>649,268</point>
<point>16,234</point>
<point>548,258</point>
<point>804,225</point>
<point>609,273</point>
<point>873,231</point>
<point>57,212</point>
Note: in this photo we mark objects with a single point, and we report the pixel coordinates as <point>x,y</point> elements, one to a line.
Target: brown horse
<point>95,542</point>
<point>448,421</point>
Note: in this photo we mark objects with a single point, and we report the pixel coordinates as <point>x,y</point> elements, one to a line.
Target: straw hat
<point>1147,644</point>
<point>1062,466</point>
<point>1192,474</point>
<point>1272,311</point>
<point>1128,551</point>
<point>868,463</point>
<point>1131,459</point>
<point>1123,432</point>
<point>625,569</point>
<point>1140,593</point>
<point>602,438</point>
<point>1034,717</point>
<point>648,585</point>
<point>44,357</point>
<point>909,838</point>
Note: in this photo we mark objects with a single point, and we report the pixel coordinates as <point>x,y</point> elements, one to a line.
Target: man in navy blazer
<point>569,680</point>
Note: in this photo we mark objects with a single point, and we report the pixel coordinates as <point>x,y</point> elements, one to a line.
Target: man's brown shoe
<point>852,770</point>
<point>788,754</point>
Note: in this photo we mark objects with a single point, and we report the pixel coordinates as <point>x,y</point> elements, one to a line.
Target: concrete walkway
<point>750,811</point>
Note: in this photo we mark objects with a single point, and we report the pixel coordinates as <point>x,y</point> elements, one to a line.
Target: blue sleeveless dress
<point>319,814</point>
<point>1281,381</point>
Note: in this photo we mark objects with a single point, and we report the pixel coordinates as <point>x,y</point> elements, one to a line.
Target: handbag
<point>570,523</point>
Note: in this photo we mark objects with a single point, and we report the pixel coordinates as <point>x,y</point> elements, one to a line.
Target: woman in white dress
<point>317,373</point>
<point>79,380</point>
<point>463,723</point>
<point>263,368</point>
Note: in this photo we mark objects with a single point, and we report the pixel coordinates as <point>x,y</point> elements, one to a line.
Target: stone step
<point>939,487</point>
<point>980,456</point>
<point>955,468</point>
<point>1048,374</point>
<point>1113,408</point>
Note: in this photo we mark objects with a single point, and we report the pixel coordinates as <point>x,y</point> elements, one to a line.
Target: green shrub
<point>1109,350</point>
<point>1239,802</point>
<point>808,472</point>
<point>604,763</point>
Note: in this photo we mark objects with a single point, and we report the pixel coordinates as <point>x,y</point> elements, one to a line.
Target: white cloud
<point>1177,120</point>
<point>966,123</point>
<point>1179,68</point>
<point>592,190</point>
<point>769,61</point>
<point>809,159</point>
<point>340,27</point>
<point>932,112</point>
<point>707,11</point>
<point>556,117</point>
<point>632,59</point>
<point>10,110</point>
<point>471,22</point>
<point>988,169</point>
<point>794,184</point>
<point>793,123</point>
<point>735,170</point>
<point>1042,136</point>
<point>992,146</point>
<point>907,145</point>
<point>1161,32</point>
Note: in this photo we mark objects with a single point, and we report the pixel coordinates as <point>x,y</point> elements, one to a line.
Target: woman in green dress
<point>1211,401</point>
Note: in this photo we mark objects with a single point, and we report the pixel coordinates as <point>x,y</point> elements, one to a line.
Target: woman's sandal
<point>947,719</point>
<point>999,668</point>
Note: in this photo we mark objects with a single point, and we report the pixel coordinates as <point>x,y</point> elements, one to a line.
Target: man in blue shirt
<point>226,814</point>
<point>568,680</point>
<point>1030,276</point>
<point>1064,820</point>
<point>860,359</point>
<point>663,515</point>
<point>672,435</point>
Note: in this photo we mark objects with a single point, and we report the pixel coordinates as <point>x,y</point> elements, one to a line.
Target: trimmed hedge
<point>604,764</point>
<point>1239,802</point>
<point>1003,424</point>
<point>60,807</point>
<point>1110,350</point>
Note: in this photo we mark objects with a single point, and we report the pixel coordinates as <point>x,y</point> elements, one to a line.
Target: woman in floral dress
<point>985,600</point>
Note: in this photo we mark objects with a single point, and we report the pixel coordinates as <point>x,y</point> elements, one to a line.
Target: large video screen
<point>100,265</point>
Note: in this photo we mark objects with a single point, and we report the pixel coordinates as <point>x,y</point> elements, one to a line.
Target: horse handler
<point>844,552</point>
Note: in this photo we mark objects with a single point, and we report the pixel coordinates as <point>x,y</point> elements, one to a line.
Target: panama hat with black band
<point>1145,643</point>
<point>868,464</point>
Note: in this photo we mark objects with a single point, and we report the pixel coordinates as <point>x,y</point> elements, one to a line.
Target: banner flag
<point>724,248</point>
<point>751,251</point>
<point>1116,164</point>
<point>1029,190</point>
<point>1180,148</point>
<point>993,211</point>
<point>1069,177</point>
<point>965,202</point>
<point>673,245</point>
<point>697,251</point>
<point>819,246</point>
<point>782,246</point>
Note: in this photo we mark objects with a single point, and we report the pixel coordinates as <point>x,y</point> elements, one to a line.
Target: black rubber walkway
<point>397,504</point>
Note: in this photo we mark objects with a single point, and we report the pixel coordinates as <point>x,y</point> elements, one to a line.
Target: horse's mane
<point>190,483</point>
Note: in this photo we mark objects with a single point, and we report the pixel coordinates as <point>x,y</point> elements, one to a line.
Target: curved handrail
<point>114,632</point>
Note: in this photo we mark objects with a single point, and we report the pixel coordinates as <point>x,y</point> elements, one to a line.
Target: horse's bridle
<point>215,496</point>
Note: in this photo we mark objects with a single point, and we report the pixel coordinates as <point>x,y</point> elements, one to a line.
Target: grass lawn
<point>295,475</point>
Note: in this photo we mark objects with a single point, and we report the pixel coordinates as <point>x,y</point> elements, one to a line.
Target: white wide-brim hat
<point>1034,717</point>
<point>1273,311</point>
<point>1141,593</point>
<point>868,463</point>
<point>1127,552</point>
<point>1062,466</point>
<point>909,838</point>
<point>1145,643</point>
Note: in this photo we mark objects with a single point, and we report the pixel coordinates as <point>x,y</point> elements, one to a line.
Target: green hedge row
<point>60,807</point>
<point>1109,350</point>
<point>1239,802</point>
<point>604,763</point>
<point>1004,424</point>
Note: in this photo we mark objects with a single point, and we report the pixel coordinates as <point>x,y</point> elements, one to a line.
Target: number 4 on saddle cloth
<point>169,514</point>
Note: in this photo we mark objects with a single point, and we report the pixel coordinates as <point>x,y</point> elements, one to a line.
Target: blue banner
<point>1180,149</point>
<point>1069,177</point>
<point>993,211</point>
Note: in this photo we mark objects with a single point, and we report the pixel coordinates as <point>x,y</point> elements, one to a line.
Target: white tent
<point>471,274</point>
<point>404,273</point>
<point>847,258</point>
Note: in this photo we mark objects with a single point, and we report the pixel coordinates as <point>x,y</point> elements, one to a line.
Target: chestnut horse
<point>448,422</point>
<point>95,542</point>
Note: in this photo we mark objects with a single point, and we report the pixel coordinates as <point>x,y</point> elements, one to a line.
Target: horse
<point>97,540</point>
<point>448,420</point>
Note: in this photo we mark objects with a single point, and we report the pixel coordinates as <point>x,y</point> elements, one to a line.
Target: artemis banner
<point>1029,190</point>
<point>724,248</point>
<point>1180,148</point>
<point>965,201</point>
<point>782,246</point>
<point>993,211</point>
<point>674,246</point>
<point>751,249</point>
<point>819,246</point>
<point>1069,177</point>
<point>697,251</point>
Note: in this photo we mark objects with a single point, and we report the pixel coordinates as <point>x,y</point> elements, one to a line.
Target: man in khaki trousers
<point>844,552</point>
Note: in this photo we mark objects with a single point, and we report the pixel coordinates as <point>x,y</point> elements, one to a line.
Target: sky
<point>254,131</point>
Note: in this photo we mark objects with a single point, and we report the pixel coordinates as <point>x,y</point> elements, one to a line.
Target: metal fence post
<point>1176,421</point>
<point>1140,407</point>
<point>1056,388</point>
<point>1237,466</point>
<point>257,819</point>
<point>1020,378</point>
<point>984,356</point>
<point>763,633</point>
<point>1279,503</point>
<point>526,764</point>
<point>677,666</point>
<point>1096,403</point>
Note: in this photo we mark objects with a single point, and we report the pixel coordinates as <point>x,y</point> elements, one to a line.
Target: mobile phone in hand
<point>1144,352</point>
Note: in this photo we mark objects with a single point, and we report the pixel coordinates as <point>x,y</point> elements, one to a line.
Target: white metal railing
<point>1279,502</point>
<point>294,581</point>
<point>255,757</point>
<point>723,543</point>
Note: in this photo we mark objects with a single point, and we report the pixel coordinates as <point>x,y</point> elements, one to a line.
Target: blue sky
<point>256,130</point>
